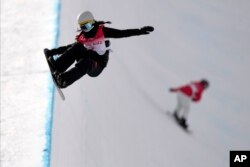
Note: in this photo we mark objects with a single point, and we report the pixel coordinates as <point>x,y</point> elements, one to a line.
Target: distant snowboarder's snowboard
<point>53,78</point>
<point>177,120</point>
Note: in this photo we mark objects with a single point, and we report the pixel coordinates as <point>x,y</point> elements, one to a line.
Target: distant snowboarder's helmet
<point>86,21</point>
<point>205,83</point>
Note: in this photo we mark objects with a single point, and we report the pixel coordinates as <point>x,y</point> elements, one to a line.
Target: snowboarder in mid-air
<point>186,94</point>
<point>90,51</point>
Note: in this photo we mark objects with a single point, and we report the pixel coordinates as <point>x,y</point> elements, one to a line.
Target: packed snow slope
<point>119,118</point>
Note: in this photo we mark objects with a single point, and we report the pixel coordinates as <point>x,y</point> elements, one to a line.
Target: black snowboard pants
<point>87,62</point>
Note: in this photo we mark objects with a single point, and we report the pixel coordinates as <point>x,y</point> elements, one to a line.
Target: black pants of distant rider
<point>87,62</point>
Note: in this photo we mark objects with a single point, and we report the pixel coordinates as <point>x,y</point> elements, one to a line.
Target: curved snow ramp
<point>119,118</point>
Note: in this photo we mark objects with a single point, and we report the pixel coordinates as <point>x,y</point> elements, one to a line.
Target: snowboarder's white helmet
<point>86,21</point>
<point>85,17</point>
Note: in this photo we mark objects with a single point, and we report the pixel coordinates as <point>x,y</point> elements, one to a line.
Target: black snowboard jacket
<point>116,33</point>
<point>110,33</point>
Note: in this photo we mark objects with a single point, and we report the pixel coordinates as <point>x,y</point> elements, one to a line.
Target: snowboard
<point>54,79</point>
<point>178,122</point>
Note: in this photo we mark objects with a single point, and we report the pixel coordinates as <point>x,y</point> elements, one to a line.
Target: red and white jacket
<point>193,90</point>
<point>97,43</point>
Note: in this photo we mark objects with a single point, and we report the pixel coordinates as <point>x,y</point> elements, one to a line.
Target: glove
<point>172,90</point>
<point>146,30</point>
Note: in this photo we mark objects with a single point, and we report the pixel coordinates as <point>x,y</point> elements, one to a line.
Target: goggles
<point>86,27</point>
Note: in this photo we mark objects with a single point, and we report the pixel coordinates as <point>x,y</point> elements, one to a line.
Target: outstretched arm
<point>115,33</point>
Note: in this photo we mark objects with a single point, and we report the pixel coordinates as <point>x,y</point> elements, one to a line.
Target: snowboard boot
<point>52,63</point>
<point>47,52</point>
<point>60,81</point>
<point>183,122</point>
<point>50,58</point>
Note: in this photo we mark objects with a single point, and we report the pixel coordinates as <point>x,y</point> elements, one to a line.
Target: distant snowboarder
<point>186,94</point>
<point>90,51</point>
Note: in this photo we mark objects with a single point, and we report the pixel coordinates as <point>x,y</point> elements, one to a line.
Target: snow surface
<point>119,118</point>
<point>26,90</point>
